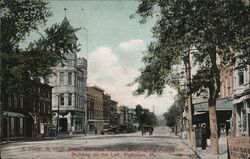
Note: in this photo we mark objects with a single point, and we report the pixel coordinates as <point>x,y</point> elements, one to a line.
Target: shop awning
<point>223,104</point>
<point>199,113</point>
<point>241,99</point>
<point>13,114</point>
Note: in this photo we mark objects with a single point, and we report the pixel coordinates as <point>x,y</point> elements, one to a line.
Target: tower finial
<point>65,11</point>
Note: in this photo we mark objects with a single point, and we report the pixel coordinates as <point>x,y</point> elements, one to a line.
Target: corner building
<point>69,97</point>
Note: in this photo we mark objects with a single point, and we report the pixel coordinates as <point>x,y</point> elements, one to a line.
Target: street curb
<point>39,139</point>
<point>194,149</point>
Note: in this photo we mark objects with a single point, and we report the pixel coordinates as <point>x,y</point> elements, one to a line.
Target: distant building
<point>123,114</point>
<point>133,125</point>
<point>113,118</point>
<point>146,111</point>
<point>95,109</point>
<point>28,115</point>
<point>69,92</point>
<point>106,108</point>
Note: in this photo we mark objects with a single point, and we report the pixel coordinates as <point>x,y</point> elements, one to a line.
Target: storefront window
<point>78,124</point>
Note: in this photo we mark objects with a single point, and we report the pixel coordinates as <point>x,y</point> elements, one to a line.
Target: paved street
<point>161,145</point>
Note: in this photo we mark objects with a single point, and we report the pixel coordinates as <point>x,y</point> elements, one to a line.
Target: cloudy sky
<point>113,45</point>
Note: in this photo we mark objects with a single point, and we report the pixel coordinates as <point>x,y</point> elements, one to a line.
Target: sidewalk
<point>206,154</point>
<point>58,137</point>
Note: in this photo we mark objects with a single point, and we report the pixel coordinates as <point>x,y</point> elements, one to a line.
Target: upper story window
<point>241,77</point>
<point>75,79</point>
<point>9,100</point>
<point>55,79</point>
<point>21,101</point>
<point>61,99</point>
<point>61,77</point>
<point>70,78</point>
<point>15,100</point>
<point>38,91</point>
<point>70,99</point>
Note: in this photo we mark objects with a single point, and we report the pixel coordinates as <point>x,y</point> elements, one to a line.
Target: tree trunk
<point>214,89</point>
<point>213,127</point>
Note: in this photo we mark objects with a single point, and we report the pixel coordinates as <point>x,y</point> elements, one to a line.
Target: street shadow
<point>131,147</point>
<point>191,156</point>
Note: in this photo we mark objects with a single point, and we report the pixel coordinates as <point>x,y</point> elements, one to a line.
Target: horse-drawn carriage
<point>147,128</point>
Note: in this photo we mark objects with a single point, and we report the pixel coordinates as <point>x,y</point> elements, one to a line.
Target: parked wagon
<point>147,128</point>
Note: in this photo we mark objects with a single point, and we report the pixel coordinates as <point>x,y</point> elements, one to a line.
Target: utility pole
<point>86,35</point>
<point>58,109</point>
<point>189,100</point>
<point>1,111</point>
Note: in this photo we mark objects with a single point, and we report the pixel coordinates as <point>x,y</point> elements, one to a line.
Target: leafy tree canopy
<point>175,111</point>
<point>148,118</point>
<point>18,19</point>
<point>217,30</point>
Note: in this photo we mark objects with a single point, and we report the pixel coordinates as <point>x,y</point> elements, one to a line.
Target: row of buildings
<point>37,115</point>
<point>104,113</point>
<point>232,109</point>
<point>62,104</point>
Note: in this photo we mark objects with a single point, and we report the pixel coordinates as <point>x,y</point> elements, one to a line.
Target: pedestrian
<point>95,131</point>
<point>204,137</point>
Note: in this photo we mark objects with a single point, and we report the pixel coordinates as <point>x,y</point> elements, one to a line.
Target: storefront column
<point>8,129</point>
<point>74,123</point>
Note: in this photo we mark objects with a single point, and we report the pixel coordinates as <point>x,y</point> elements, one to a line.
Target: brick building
<point>106,108</point>
<point>113,118</point>
<point>123,116</point>
<point>28,115</point>
<point>227,83</point>
<point>95,109</point>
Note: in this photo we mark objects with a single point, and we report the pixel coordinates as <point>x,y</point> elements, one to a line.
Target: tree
<point>153,118</point>
<point>175,111</point>
<point>217,30</point>
<point>138,111</point>
<point>148,118</point>
<point>18,19</point>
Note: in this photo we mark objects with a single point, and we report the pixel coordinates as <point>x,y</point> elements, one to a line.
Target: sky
<point>113,44</point>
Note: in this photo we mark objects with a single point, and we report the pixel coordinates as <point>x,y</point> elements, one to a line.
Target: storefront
<point>13,126</point>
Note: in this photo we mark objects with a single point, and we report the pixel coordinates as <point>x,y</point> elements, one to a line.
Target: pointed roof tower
<point>65,23</point>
